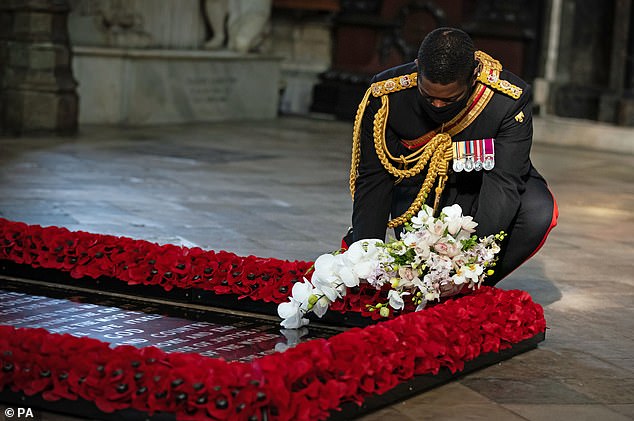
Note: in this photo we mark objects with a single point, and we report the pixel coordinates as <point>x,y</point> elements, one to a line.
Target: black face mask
<point>441,115</point>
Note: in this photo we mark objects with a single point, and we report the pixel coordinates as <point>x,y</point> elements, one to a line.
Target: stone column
<point>37,88</point>
<point>610,101</point>
<point>625,113</point>
<point>583,58</point>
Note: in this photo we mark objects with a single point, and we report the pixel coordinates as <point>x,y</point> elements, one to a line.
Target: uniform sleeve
<point>499,198</point>
<point>373,192</point>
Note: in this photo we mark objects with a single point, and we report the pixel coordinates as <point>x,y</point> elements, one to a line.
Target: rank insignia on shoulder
<point>489,75</point>
<point>469,155</point>
<point>394,84</point>
<point>520,117</point>
<point>491,78</point>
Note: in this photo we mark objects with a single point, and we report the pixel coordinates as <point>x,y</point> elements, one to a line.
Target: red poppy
<point>319,375</point>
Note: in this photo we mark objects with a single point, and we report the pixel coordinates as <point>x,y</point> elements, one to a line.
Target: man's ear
<point>476,71</point>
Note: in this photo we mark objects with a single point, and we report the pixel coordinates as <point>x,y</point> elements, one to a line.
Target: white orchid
<point>453,218</point>
<point>292,315</point>
<point>364,250</point>
<point>395,299</point>
<point>468,224</point>
<point>436,230</point>
<point>410,238</point>
<point>434,257</point>
<point>293,311</point>
<point>439,263</point>
<point>344,271</point>
<point>330,272</point>
<point>320,307</point>
<point>456,222</point>
<point>327,287</point>
<point>424,218</point>
<point>324,267</point>
<point>301,291</point>
<point>378,277</point>
<point>467,273</point>
<point>364,256</point>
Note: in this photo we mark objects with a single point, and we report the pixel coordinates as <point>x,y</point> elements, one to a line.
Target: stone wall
<point>37,87</point>
<point>305,46</point>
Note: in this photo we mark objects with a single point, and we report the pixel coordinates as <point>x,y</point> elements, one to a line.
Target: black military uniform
<point>512,196</point>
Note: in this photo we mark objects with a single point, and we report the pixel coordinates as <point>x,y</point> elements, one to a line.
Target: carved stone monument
<point>145,62</point>
<point>131,24</point>
<point>240,24</point>
<point>37,88</point>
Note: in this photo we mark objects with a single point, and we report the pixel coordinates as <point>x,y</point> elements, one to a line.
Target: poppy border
<point>321,375</point>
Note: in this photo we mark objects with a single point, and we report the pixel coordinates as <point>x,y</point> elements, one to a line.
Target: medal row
<point>470,155</point>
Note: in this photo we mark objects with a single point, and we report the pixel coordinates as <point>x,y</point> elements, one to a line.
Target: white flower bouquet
<point>435,257</point>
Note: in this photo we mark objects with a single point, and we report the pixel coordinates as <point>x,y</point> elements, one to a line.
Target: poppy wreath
<point>319,376</point>
<point>139,262</point>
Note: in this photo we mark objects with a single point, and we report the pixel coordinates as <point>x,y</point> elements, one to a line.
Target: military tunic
<point>492,197</point>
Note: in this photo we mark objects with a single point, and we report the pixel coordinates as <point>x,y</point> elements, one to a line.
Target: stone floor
<point>279,188</point>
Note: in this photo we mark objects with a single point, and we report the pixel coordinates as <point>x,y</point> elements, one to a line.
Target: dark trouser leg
<point>536,217</point>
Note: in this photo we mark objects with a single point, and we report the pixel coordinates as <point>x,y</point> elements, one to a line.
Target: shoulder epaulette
<point>394,84</point>
<point>490,75</point>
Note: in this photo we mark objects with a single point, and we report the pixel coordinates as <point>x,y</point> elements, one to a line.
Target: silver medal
<point>489,154</point>
<point>469,165</point>
<point>489,163</point>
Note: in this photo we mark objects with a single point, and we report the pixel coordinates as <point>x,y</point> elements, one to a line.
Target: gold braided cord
<point>443,168</point>
<point>380,145</point>
<point>405,159</point>
<point>356,141</point>
<point>438,150</point>
<point>441,150</point>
